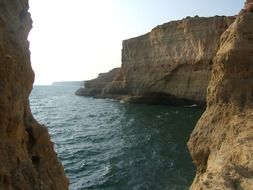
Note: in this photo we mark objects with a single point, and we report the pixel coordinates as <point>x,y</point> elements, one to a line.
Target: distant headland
<point>68,83</point>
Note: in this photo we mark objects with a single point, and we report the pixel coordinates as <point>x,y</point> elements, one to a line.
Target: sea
<point>105,144</point>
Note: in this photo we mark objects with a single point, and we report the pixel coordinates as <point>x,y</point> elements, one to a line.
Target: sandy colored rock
<point>97,86</point>
<point>249,5</point>
<point>172,61</point>
<point>27,157</point>
<point>221,144</point>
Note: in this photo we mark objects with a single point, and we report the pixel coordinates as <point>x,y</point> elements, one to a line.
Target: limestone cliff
<point>96,86</point>
<point>221,145</point>
<point>27,157</point>
<point>172,61</point>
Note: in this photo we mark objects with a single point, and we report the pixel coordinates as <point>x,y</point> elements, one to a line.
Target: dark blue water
<point>106,145</point>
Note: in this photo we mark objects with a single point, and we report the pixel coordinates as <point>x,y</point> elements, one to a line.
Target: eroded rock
<point>27,157</point>
<point>249,6</point>
<point>221,144</point>
<point>97,87</point>
<point>174,59</point>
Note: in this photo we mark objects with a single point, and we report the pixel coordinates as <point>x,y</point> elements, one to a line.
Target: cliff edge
<point>171,64</point>
<point>27,157</point>
<point>221,144</point>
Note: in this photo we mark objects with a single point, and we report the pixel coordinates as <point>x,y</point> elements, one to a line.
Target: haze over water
<point>106,145</point>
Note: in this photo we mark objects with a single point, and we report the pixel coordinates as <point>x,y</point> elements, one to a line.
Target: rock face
<point>173,61</point>
<point>221,145</point>
<point>27,157</point>
<point>96,86</point>
<point>249,6</point>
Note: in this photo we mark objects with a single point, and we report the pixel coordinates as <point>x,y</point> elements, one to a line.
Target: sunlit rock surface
<point>96,87</point>
<point>221,145</point>
<point>27,157</point>
<point>173,61</point>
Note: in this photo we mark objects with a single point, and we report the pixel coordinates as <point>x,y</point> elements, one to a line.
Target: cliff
<point>173,61</point>
<point>221,145</point>
<point>27,157</point>
<point>95,87</point>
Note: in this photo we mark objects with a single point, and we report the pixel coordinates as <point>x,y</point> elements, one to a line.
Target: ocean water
<point>106,145</point>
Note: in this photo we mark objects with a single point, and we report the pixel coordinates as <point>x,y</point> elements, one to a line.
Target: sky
<point>74,40</point>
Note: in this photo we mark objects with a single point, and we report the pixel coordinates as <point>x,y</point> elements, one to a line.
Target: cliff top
<point>177,22</point>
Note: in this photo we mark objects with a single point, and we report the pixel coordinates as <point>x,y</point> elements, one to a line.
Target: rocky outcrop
<point>95,87</point>
<point>249,6</point>
<point>221,144</point>
<point>27,157</point>
<point>173,61</point>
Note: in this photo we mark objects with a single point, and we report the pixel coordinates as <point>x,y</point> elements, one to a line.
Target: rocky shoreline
<point>219,60</point>
<point>221,144</point>
<point>169,65</point>
<point>178,59</point>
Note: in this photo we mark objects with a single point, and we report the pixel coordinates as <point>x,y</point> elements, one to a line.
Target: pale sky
<point>77,39</point>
